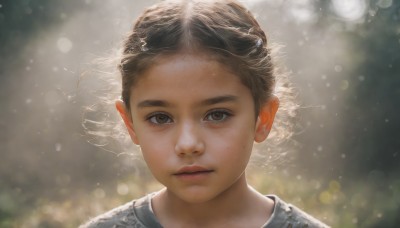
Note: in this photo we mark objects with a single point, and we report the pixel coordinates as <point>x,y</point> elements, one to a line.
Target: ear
<point>126,117</point>
<point>265,119</point>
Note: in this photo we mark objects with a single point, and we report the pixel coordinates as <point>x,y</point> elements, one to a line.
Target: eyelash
<point>158,114</point>
<point>152,118</point>
<point>226,115</point>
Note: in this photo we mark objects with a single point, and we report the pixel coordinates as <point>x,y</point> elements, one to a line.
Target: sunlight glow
<point>302,10</point>
<point>350,10</point>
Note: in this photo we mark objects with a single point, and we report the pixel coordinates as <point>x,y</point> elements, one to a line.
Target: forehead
<point>187,75</point>
<point>188,65</point>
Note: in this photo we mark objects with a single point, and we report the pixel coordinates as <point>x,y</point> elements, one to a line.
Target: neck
<point>239,201</point>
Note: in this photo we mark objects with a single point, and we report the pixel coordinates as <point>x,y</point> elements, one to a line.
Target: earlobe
<point>125,114</point>
<point>266,118</point>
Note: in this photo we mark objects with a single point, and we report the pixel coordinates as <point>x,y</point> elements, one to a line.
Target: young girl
<point>197,92</point>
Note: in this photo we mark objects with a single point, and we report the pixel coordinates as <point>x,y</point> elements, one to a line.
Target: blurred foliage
<point>372,132</point>
<point>325,200</point>
<point>22,20</point>
<point>50,177</point>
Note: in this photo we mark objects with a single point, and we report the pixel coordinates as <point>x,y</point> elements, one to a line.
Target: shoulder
<point>287,215</point>
<point>122,216</point>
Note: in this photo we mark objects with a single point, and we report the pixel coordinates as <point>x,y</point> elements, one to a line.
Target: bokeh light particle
<point>350,10</point>
<point>64,44</point>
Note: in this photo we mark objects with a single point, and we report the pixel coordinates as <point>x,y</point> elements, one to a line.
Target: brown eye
<point>160,119</point>
<point>217,116</point>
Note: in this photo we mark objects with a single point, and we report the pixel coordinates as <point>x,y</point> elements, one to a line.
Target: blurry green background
<point>344,56</point>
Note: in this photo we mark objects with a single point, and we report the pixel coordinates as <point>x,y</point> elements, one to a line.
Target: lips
<point>193,174</point>
<point>193,170</point>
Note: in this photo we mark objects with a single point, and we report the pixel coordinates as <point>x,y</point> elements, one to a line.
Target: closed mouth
<point>192,170</point>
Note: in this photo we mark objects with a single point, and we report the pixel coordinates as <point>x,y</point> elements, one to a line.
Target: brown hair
<point>223,28</point>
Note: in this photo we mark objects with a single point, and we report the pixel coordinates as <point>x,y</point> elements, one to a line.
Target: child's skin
<point>190,113</point>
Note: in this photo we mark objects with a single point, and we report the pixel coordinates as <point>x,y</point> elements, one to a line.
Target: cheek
<point>155,161</point>
<point>156,150</point>
<point>233,145</point>
<point>243,134</point>
<point>149,139</point>
<point>153,148</point>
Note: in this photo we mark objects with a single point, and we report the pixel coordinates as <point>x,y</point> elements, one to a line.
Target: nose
<point>189,141</point>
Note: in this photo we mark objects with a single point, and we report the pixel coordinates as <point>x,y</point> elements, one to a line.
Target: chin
<point>195,196</point>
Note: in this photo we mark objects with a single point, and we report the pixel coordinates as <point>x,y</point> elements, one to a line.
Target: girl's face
<point>195,123</point>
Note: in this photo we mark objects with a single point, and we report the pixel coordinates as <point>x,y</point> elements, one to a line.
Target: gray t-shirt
<point>139,214</point>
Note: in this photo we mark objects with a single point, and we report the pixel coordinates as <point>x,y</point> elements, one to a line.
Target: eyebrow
<point>210,101</point>
<point>219,99</point>
<point>153,103</point>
